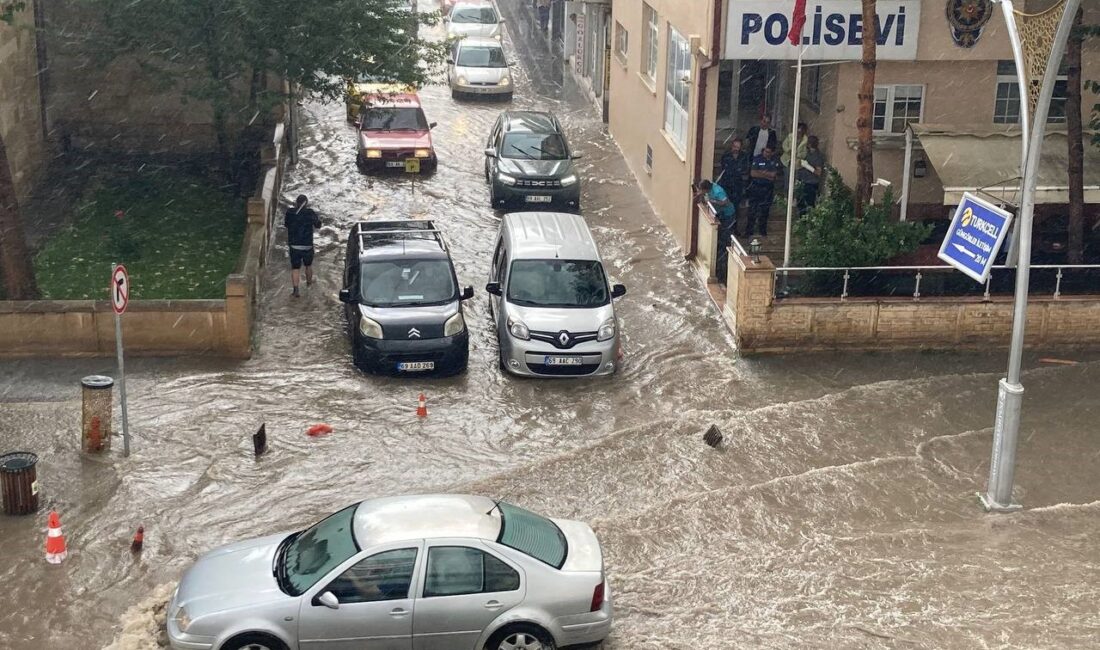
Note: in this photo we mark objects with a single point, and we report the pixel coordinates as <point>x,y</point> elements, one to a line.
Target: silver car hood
<point>231,577</point>
<point>556,319</point>
<point>481,75</point>
<point>483,30</point>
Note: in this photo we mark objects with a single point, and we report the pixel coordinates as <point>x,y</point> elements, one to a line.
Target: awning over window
<point>988,162</point>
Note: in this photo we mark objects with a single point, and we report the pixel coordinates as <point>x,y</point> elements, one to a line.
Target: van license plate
<point>416,366</point>
<point>539,199</point>
<point>563,361</point>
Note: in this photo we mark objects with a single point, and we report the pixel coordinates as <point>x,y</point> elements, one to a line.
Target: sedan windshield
<point>533,146</point>
<point>481,57</point>
<point>532,535</point>
<point>557,283</point>
<point>407,283</point>
<point>395,119</point>
<point>317,551</point>
<point>475,15</point>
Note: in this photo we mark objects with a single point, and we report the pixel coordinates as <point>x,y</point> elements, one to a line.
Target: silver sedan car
<point>436,572</point>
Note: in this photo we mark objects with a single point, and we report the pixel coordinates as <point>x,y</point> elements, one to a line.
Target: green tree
<point>831,236</point>
<point>221,51</point>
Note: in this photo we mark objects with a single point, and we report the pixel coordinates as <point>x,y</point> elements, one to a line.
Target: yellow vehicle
<point>358,91</point>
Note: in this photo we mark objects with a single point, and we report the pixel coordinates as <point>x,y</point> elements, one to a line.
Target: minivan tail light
<point>597,598</point>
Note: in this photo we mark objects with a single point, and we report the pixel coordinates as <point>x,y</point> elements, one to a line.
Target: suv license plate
<point>416,366</point>
<point>563,361</point>
<point>395,164</point>
<point>539,199</point>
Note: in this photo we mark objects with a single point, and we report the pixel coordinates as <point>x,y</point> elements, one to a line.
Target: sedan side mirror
<point>432,125</point>
<point>328,599</point>
<point>346,297</point>
<point>577,156</point>
<point>450,61</point>
<point>491,152</point>
<point>618,291</point>
<point>467,293</point>
<point>494,288</point>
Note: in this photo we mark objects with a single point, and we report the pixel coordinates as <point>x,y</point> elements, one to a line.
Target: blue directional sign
<point>977,232</point>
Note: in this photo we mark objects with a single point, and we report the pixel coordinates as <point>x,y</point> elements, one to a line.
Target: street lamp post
<point>1006,428</point>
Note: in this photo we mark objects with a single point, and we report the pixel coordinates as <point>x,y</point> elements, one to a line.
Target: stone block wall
<point>763,324</point>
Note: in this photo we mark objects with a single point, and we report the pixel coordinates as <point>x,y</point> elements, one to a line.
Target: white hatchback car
<point>478,67</point>
<point>434,572</point>
<point>478,18</point>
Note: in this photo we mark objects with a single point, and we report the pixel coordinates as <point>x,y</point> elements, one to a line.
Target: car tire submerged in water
<point>521,637</point>
<point>254,642</point>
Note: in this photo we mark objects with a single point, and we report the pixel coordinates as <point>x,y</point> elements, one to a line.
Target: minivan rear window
<point>557,283</point>
<point>406,283</point>
<point>532,535</point>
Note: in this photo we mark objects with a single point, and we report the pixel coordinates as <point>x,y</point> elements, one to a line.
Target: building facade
<point>687,76</point>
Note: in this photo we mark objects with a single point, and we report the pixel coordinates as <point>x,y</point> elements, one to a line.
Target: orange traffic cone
<point>318,430</point>
<point>55,541</point>
<point>139,540</point>
<point>422,407</point>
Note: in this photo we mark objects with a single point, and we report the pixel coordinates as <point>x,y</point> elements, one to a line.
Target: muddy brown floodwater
<point>840,513</point>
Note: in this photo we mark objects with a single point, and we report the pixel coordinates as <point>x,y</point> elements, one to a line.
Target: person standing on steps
<point>761,191</point>
<point>726,211</point>
<point>761,137</point>
<point>810,173</point>
<point>300,222</point>
<point>735,173</point>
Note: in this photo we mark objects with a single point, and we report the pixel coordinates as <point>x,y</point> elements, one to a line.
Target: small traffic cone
<point>422,407</point>
<point>55,541</point>
<point>139,540</point>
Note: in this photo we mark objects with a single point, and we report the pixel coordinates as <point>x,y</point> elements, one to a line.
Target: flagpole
<point>793,163</point>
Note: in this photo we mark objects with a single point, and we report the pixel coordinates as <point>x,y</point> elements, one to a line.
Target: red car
<point>395,134</point>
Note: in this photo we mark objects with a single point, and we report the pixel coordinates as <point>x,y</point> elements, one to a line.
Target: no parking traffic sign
<point>977,232</point>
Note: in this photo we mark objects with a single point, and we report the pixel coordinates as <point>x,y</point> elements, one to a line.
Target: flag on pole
<point>798,21</point>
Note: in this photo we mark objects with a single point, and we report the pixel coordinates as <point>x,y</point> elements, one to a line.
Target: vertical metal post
<point>916,287</point>
<point>1025,116</point>
<point>844,291</point>
<point>907,172</point>
<point>121,379</point>
<point>1058,284</point>
<point>1006,427</point>
<point>793,166</point>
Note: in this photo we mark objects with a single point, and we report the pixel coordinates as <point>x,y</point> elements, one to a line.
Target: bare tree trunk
<point>1076,145</point>
<point>865,163</point>
<point>15,258</point>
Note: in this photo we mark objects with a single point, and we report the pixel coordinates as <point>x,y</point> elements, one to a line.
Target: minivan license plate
<point>415,366</point>
<point>539,199</point>
<point>563,361</point>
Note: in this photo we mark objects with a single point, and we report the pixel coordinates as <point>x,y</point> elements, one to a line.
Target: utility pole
<point>1010,394</point>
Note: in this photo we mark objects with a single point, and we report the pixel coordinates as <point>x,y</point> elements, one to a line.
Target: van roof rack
<point>398,230</point>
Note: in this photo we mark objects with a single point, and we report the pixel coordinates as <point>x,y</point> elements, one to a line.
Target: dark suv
<point>529,162</point>
<point>402,300</point>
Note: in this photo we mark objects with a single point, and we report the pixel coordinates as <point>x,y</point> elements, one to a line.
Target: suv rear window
<point>532,535</point>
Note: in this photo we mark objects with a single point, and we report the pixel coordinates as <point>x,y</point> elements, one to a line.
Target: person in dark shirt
<point>761,191</point>
<point>735,172</point>
<point>810,173</point>
<point>300,222</point>
<point>761,136</point>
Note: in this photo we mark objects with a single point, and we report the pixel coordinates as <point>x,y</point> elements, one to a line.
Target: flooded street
<point>840,512</point>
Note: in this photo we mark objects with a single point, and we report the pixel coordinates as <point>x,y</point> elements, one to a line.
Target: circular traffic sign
<point>120,289</point>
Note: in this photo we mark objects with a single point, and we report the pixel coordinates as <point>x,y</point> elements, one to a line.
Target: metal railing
<point>890,281</point>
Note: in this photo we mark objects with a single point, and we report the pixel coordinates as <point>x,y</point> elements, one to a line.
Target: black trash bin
<point>19,482</point>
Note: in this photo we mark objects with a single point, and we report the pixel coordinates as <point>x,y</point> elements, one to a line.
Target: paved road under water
<point>841,511</point>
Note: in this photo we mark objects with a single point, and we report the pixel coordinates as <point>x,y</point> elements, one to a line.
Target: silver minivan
<point>550,298</point>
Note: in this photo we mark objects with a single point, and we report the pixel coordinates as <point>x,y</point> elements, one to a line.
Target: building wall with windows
<point>654,95</point>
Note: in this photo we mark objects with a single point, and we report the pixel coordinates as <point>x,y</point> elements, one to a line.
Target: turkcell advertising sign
<point>975,237</point>
<point>758,29</point>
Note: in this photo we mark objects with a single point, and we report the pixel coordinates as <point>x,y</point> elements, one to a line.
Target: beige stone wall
<point>20,105</point>
<point>764,325</point>
<point>637,107</point>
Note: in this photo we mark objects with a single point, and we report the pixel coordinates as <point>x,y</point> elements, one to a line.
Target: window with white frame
<point>1006,106</point>
<point>897,106</point>
<point>677,88</point>
<point>622,41</point>
<point>649,47</point>
<point>812,91</point>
